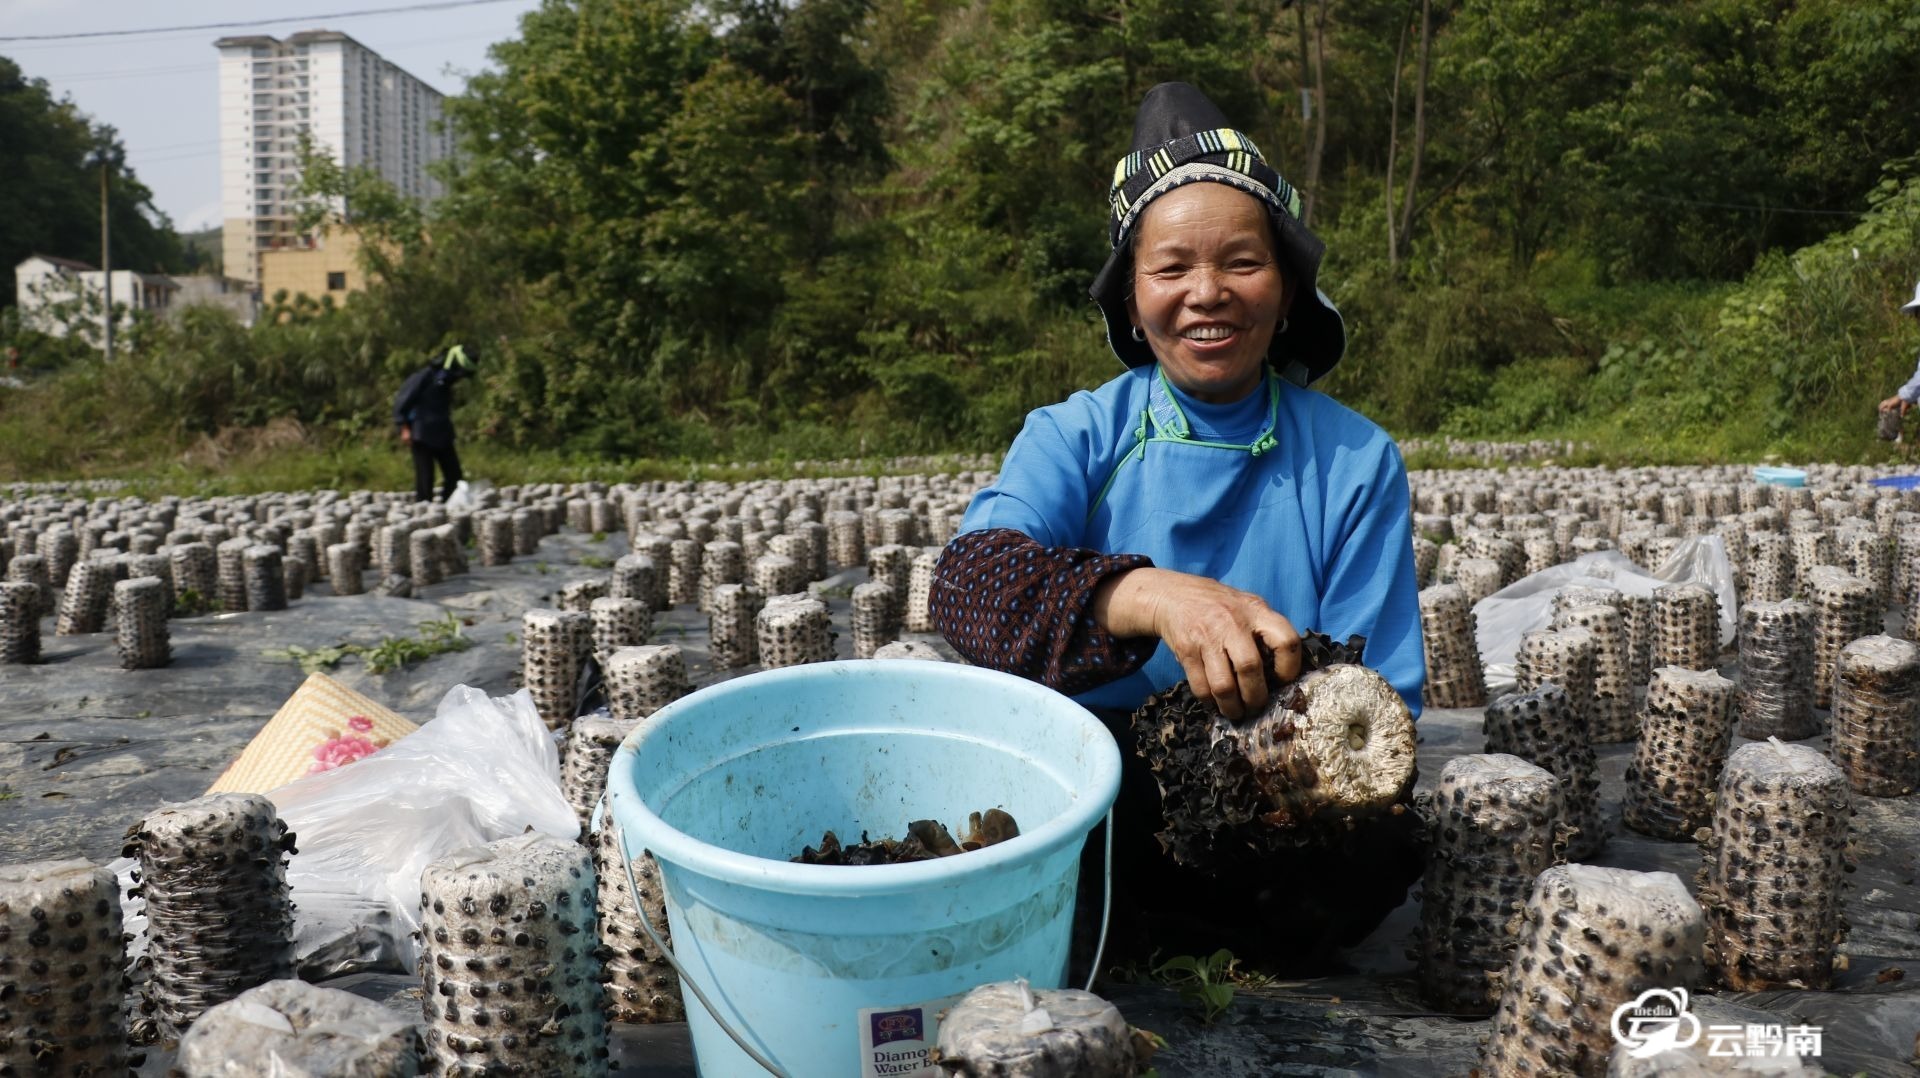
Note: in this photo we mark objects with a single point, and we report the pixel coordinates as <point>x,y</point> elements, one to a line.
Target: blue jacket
<point>1316,521</point>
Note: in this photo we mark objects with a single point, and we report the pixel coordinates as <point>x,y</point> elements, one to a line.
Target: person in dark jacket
<point>423,411</point>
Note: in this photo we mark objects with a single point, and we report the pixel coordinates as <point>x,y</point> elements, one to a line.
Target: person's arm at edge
<point>1910,393</point>
<point>1906,396</point>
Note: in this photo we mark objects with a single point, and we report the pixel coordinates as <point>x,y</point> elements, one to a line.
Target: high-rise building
<point>357,107</point>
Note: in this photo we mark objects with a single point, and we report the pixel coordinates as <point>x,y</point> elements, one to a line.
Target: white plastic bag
<point>463,498</point>
<point>485,768</point>
<point>1527,604</point>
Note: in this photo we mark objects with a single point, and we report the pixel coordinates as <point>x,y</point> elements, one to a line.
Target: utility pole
<point>106,256</point>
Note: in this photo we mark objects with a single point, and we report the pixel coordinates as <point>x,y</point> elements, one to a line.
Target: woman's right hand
<point>1215,631</point>
<point>1895,401</point>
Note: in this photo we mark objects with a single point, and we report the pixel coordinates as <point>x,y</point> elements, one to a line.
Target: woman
<point>1186,519</point>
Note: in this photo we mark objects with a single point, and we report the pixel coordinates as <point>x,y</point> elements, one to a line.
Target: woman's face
<point>1207,289</point>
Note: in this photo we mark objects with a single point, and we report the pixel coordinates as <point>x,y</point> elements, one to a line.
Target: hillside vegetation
<point>818,229</point>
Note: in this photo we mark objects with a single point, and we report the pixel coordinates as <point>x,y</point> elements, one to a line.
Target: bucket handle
<point>646,925</point>
<point>1106,901</point>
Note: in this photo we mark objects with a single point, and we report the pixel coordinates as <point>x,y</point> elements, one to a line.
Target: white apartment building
<point>356,106</point>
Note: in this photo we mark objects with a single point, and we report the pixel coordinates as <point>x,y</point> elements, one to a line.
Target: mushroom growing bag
<point>1527,604</point>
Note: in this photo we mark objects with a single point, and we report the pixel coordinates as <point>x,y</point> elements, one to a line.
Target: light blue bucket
<point>819,967</point>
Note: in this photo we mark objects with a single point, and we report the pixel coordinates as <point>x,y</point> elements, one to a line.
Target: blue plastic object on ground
<point>817,965</point>
<point>1781,477</point>
<point>1898,482</point>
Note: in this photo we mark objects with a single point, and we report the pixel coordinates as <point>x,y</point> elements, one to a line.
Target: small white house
<point>56,294</point>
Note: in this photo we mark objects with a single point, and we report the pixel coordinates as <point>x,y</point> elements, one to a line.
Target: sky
<point>160,90</point>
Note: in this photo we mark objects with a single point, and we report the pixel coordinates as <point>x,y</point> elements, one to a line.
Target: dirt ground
<point>87,749</point>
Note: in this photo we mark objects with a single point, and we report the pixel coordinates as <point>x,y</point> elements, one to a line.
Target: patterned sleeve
<point>1006,602</point>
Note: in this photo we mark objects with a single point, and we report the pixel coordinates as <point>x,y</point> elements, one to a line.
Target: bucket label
<point>894,1041</point>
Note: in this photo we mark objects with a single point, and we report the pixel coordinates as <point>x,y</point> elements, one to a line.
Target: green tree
<point>656,183</point>
<point>50,186</point>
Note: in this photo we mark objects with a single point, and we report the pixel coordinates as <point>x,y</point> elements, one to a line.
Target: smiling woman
<point>1187,519</point>
<point>1207,290</point>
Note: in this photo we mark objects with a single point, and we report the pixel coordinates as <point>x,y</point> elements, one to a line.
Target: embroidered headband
<point>1223,148</point>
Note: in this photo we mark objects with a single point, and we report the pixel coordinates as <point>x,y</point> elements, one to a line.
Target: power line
<point>438,5</point>
<point>1745,206</point>
<point>212,67</point>
<point>199,144</point>
<point>133,73</point>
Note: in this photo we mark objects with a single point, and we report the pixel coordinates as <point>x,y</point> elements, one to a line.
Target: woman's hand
<point>1896,401</point>
<point>1214,630</point>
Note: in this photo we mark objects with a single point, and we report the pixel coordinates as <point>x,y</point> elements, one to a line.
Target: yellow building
<point>330,267</point>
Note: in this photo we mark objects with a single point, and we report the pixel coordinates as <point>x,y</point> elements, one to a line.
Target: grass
<point>1551,398</point>
<point>1639,373</point>
<point>285,456</point>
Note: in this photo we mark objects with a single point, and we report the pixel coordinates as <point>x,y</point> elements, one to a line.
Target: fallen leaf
<point>1890,975</point>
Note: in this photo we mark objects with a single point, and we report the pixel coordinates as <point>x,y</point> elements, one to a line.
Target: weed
<point>1206,983</point>
<point>314,660</point>
<point>599,537</point>
<point>595,561</point>
<point>542,568</point>
<point>190,603</point>
<point>437,637</point>
<point>7,793</point>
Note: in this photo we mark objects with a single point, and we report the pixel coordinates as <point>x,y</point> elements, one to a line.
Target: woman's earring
<point>1139,334</point>
<point>1283,326</point>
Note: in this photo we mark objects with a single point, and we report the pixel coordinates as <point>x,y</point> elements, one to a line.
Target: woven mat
<point>322,725</point>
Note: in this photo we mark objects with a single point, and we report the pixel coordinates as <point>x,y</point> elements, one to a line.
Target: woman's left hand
<point>1217,632</point>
